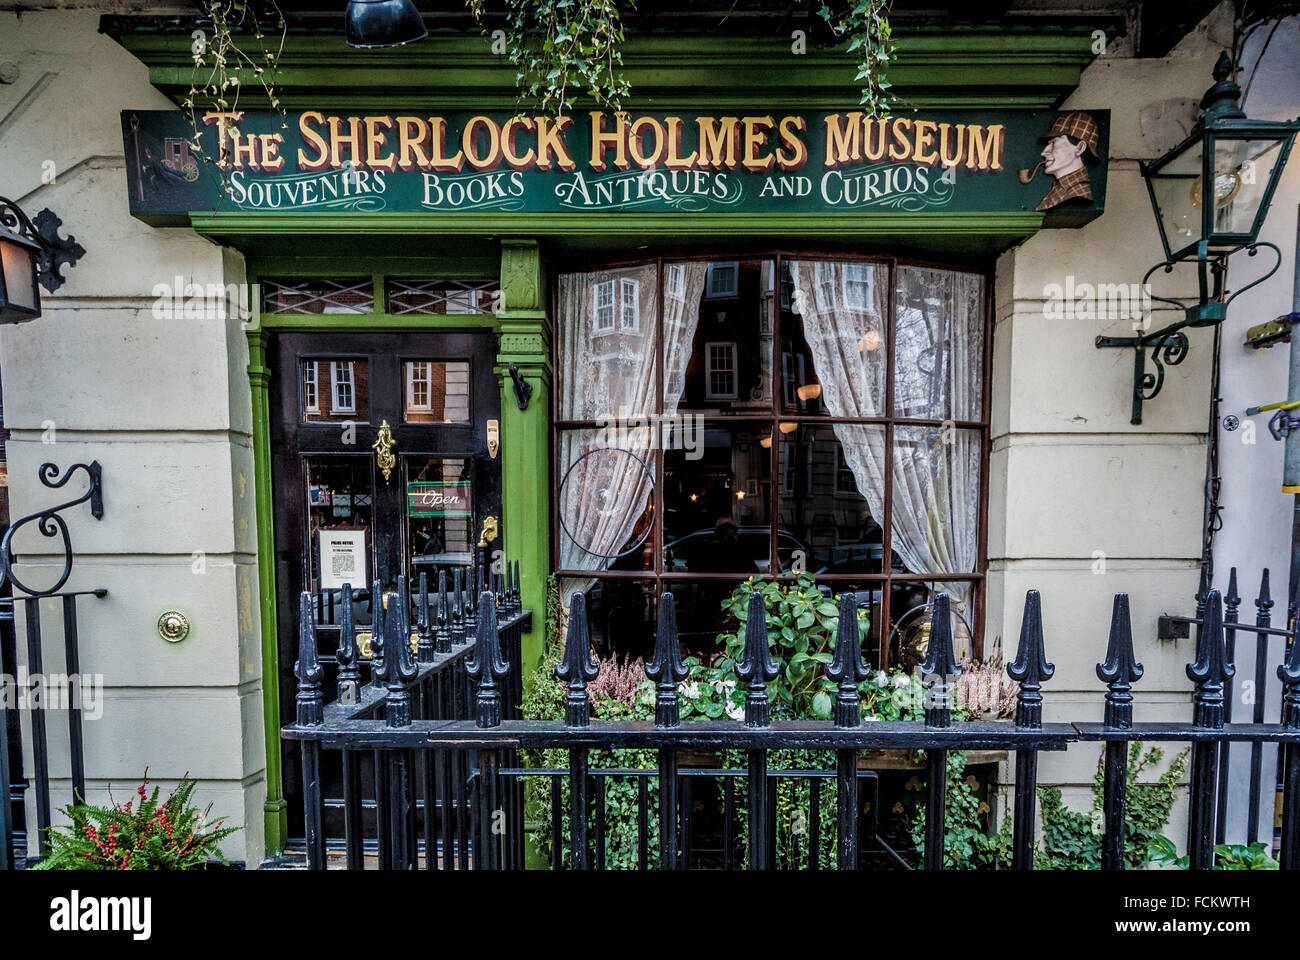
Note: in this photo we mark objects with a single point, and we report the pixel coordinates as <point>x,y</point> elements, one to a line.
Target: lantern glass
<point>1243,170</point>
<point>19,297</point>
<point>1175,192</point>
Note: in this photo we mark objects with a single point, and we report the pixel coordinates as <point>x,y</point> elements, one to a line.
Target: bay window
<point>772,416</point>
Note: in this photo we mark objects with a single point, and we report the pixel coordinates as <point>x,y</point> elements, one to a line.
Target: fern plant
<point>141,834</point>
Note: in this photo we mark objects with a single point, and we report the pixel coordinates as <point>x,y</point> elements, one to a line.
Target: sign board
<point>436,498</point>
<point>685,162</point>
<point>342,558</point>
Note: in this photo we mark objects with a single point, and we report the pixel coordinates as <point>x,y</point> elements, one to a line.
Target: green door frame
<point>525,341</point>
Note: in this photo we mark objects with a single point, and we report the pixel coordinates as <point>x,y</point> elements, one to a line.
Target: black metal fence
<point>419,802</point>
<point>399,740</point>
<point>39,692</point>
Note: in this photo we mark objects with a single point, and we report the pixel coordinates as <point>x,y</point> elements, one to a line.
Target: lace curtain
<point>608,341</point>
<point>939,342</point>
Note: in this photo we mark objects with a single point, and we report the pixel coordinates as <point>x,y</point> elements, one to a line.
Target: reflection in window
<point>341,379</point>
<point>335,390</point>
<point>761,478</point>
<point>318,295</point>
<point>442,296</point>
<point>722,371</point>
<point>724,280</point>
<point>439,509</point>
<point>436,391</point>
<point>613,375</point>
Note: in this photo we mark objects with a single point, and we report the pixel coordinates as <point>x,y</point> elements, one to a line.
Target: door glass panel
<point>439,516</point>
<point>335,390</point>
<point>340,511</point>
<point>435,391</point>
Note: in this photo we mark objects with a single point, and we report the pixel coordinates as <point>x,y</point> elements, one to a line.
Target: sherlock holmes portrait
<point>1071,140</point>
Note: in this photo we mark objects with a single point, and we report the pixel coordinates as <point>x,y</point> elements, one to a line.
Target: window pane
<point>939,345</point>
<point>335,390</point>
<point>833,349</point>
<point>340,511</point>
<point>606,343</point>
<point>605,500</point>
<point>318,295</point>
<point>436,391</point>
<point>442,296</point>
<point>439,511</point>
<point>716,501</point>
<point>911,605</point>
<point>825,524</point>
<point>622,615</point>
<point>718,345</point>
<point>936,494</point>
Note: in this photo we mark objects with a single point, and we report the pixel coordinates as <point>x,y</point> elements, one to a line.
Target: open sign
<point>433,498</point>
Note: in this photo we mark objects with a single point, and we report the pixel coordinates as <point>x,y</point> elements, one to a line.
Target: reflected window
<point>335,390</point>
<point>721,383</point>
<point>723,280</point>
<point>436,391</point>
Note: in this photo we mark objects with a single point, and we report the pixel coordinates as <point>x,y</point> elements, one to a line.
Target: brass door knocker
<point>383,447</point>
<point>488,533</point>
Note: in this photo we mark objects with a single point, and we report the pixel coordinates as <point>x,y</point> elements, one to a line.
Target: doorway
<point>381,471</point>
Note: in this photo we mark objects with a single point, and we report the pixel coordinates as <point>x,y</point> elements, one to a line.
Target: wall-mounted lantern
<point>383,23</point>
<point>1210,195</point>
<point>32,255</point>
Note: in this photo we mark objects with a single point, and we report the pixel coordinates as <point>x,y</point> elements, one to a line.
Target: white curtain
<point>939,333</point>
<point>608,342</point>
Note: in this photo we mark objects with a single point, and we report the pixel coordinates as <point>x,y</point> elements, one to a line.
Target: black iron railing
<point>21,768</point>
<point>491,739</point>
<point>401,807</point>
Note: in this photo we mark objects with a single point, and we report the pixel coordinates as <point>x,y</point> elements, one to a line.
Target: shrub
<point>141,834</point>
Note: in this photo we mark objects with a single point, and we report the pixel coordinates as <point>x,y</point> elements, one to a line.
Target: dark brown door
<point>344,514</point>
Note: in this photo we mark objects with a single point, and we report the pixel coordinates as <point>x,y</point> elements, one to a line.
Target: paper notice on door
<point>342,558</point>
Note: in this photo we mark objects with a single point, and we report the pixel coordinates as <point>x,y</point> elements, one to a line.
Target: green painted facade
<point>975,68</point>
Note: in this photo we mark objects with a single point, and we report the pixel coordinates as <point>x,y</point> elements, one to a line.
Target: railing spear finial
<point>1120,668</point>
<point>399,664</point>
<point>442,635</point>
<point>457,629</point>
<point>1030,668</point>
<point>941,664</point>
<point>756,666</point>
<point>1211,668</point>
<point>346,655</point>
<point>424,623</point>
<point>667,669</point>
<point>310,699</point>
<point>378,615</point>
<point>848,668</point>
<point>488,665</point>
<point>577,666</point>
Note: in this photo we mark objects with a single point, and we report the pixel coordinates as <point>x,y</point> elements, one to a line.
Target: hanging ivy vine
<point>560,49</point>
<point>866,25</point>
<point>220,63</point>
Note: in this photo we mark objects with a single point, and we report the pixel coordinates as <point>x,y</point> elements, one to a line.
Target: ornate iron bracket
<point>523,389</point>
<point>1168,346</point>
<point>55,252</point>
<point>51,524</point>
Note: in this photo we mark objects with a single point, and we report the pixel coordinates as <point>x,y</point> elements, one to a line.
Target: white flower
<point>871,718</point>
<point>882,678</point>
<point>902,680</point>
<point>735,711</point>
<point>691,691</point>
